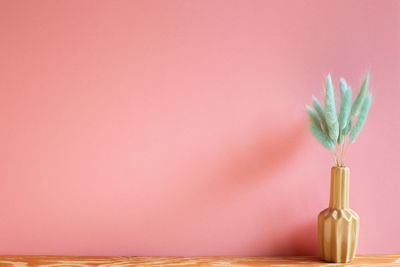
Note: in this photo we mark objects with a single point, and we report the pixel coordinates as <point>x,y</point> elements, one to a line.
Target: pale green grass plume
<point>348,127</point>
<point>321,113</point>
<point>330,128</point>
<point>341,138</point>
<point>322,137</point>
<point>362,117</point>
<point>344,132</point>
<point>330,110</point>
<point>345,108</point>
<point>360,97</point>
<point>343,86</point>
<point>313,117</point>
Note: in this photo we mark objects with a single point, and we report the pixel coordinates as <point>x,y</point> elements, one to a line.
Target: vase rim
<point>340,167</point>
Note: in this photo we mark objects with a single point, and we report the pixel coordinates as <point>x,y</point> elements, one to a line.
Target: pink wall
<point>179,127</point>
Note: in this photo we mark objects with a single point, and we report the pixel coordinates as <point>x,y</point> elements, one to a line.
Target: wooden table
<point>362,260</point>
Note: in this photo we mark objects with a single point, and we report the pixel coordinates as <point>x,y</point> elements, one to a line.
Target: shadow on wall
<point>300,242</point>
<point>217,181</point>
<point>244,166</point>
<point>304,240</point>
<point>267,154</point>
<point>208,189</point>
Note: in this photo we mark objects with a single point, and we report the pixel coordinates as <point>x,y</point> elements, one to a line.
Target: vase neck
<point>339,198</point>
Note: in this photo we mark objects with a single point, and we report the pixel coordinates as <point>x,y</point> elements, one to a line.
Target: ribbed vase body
<point>338,226</point>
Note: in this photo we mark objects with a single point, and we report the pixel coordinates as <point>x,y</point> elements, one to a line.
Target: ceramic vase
<point>338,225</point>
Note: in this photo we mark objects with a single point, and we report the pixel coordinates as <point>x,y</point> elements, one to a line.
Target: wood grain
<point>47,261</point>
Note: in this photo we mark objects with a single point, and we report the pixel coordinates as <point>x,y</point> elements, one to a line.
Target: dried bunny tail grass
<point>322,137</point>
<point>345,108</point>
<point>321,114</point>
<point>355,109</point>
<point>313,117</point>
<point>341,137</point>
<point>330,110</point>
<point>331,128</point>
<point>362,117</point>
<point>348,127</point>
<point>343,86</point>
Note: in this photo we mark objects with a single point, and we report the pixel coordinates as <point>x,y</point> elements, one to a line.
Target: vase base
<point>338,234</point>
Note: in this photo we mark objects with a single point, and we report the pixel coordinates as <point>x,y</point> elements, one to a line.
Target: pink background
<point>179,127</point>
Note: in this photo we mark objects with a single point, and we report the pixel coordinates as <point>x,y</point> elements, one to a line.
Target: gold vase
<point>338,225</point>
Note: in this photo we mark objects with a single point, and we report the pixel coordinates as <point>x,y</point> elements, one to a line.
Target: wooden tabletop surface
<point>48,261</point>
